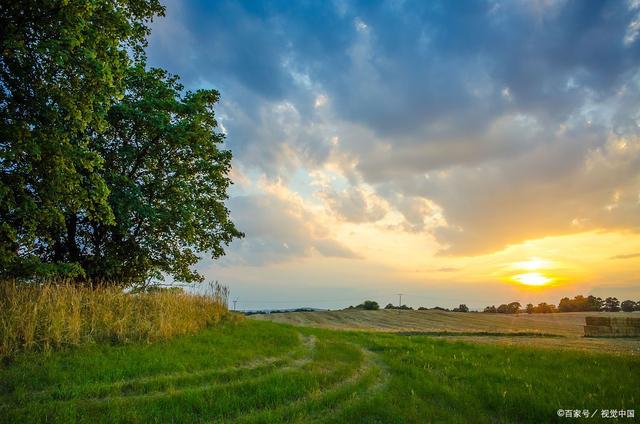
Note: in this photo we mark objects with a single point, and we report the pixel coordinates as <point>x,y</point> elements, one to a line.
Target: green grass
<point>262,372</point>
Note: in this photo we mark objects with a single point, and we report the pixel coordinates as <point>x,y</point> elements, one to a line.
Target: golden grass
<point>48,316</point>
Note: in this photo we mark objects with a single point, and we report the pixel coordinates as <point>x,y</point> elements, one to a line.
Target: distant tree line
<point>370,305</point>
<point>279,311</point>
<point>461,308</point>
<point>511,308</point>
<point>577,304</point>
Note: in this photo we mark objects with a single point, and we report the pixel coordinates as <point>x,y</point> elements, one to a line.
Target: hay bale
<point>626,331</point>
<point>625,322</point>
<point>598,321</point>
<point>611,331</point>
<point>597,331</point>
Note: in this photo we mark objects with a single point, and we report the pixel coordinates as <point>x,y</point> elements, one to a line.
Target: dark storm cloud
<point>422,72</point>
<point>397,66</point>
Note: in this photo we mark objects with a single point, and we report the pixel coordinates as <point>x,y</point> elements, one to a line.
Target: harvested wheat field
<point>559,330</point>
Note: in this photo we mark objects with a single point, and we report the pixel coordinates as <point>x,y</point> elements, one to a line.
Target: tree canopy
<point>107,170</point>
<point>580,303</point>
<point>167,180</point>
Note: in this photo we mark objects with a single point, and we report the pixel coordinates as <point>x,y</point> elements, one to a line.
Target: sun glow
<point>532,279</point>
<point>530,273</point>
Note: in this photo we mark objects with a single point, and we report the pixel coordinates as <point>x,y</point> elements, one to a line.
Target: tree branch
<point>143,153</point>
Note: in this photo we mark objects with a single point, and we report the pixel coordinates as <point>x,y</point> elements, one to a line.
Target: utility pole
<point>400,299</point>
<point>234,303</point>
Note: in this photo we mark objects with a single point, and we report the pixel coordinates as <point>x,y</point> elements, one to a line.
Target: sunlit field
<point>266,372</point>
<point>559,330</point>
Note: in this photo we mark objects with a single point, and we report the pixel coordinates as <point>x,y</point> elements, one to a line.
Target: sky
<point>475,152</point>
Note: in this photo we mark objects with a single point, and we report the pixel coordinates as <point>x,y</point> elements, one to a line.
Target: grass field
<point>561,330</point>
<point>262,372</point>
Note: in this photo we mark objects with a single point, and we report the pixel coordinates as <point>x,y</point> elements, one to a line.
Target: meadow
<point>255,371</point>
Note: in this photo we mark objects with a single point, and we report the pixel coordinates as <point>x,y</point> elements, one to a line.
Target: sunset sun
<point>532,272</point>
<point>532,279</point>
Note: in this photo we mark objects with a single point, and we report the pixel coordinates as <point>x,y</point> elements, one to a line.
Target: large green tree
<point>86,187</point>
<point>63,65</point>
<point>168,182</point>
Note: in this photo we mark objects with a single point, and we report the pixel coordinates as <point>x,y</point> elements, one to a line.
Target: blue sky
<point>433,148</point>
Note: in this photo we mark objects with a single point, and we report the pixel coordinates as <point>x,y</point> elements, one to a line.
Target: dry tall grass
<point>48,316</point>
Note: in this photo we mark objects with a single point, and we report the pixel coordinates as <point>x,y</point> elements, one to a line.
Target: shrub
<point>370,305</point>
<point>49,316</point>
<point>403,307</point>
<point>367,305</point>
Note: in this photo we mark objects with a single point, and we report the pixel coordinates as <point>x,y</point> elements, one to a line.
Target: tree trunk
<point>72,245</point>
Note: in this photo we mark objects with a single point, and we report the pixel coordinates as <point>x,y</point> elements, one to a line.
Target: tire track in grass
<point>211,401</point>
<point>179,380</point>
<point>280,411</point>
<point>222,401</point>
<point>371,375</point>
<point>380,381</point>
